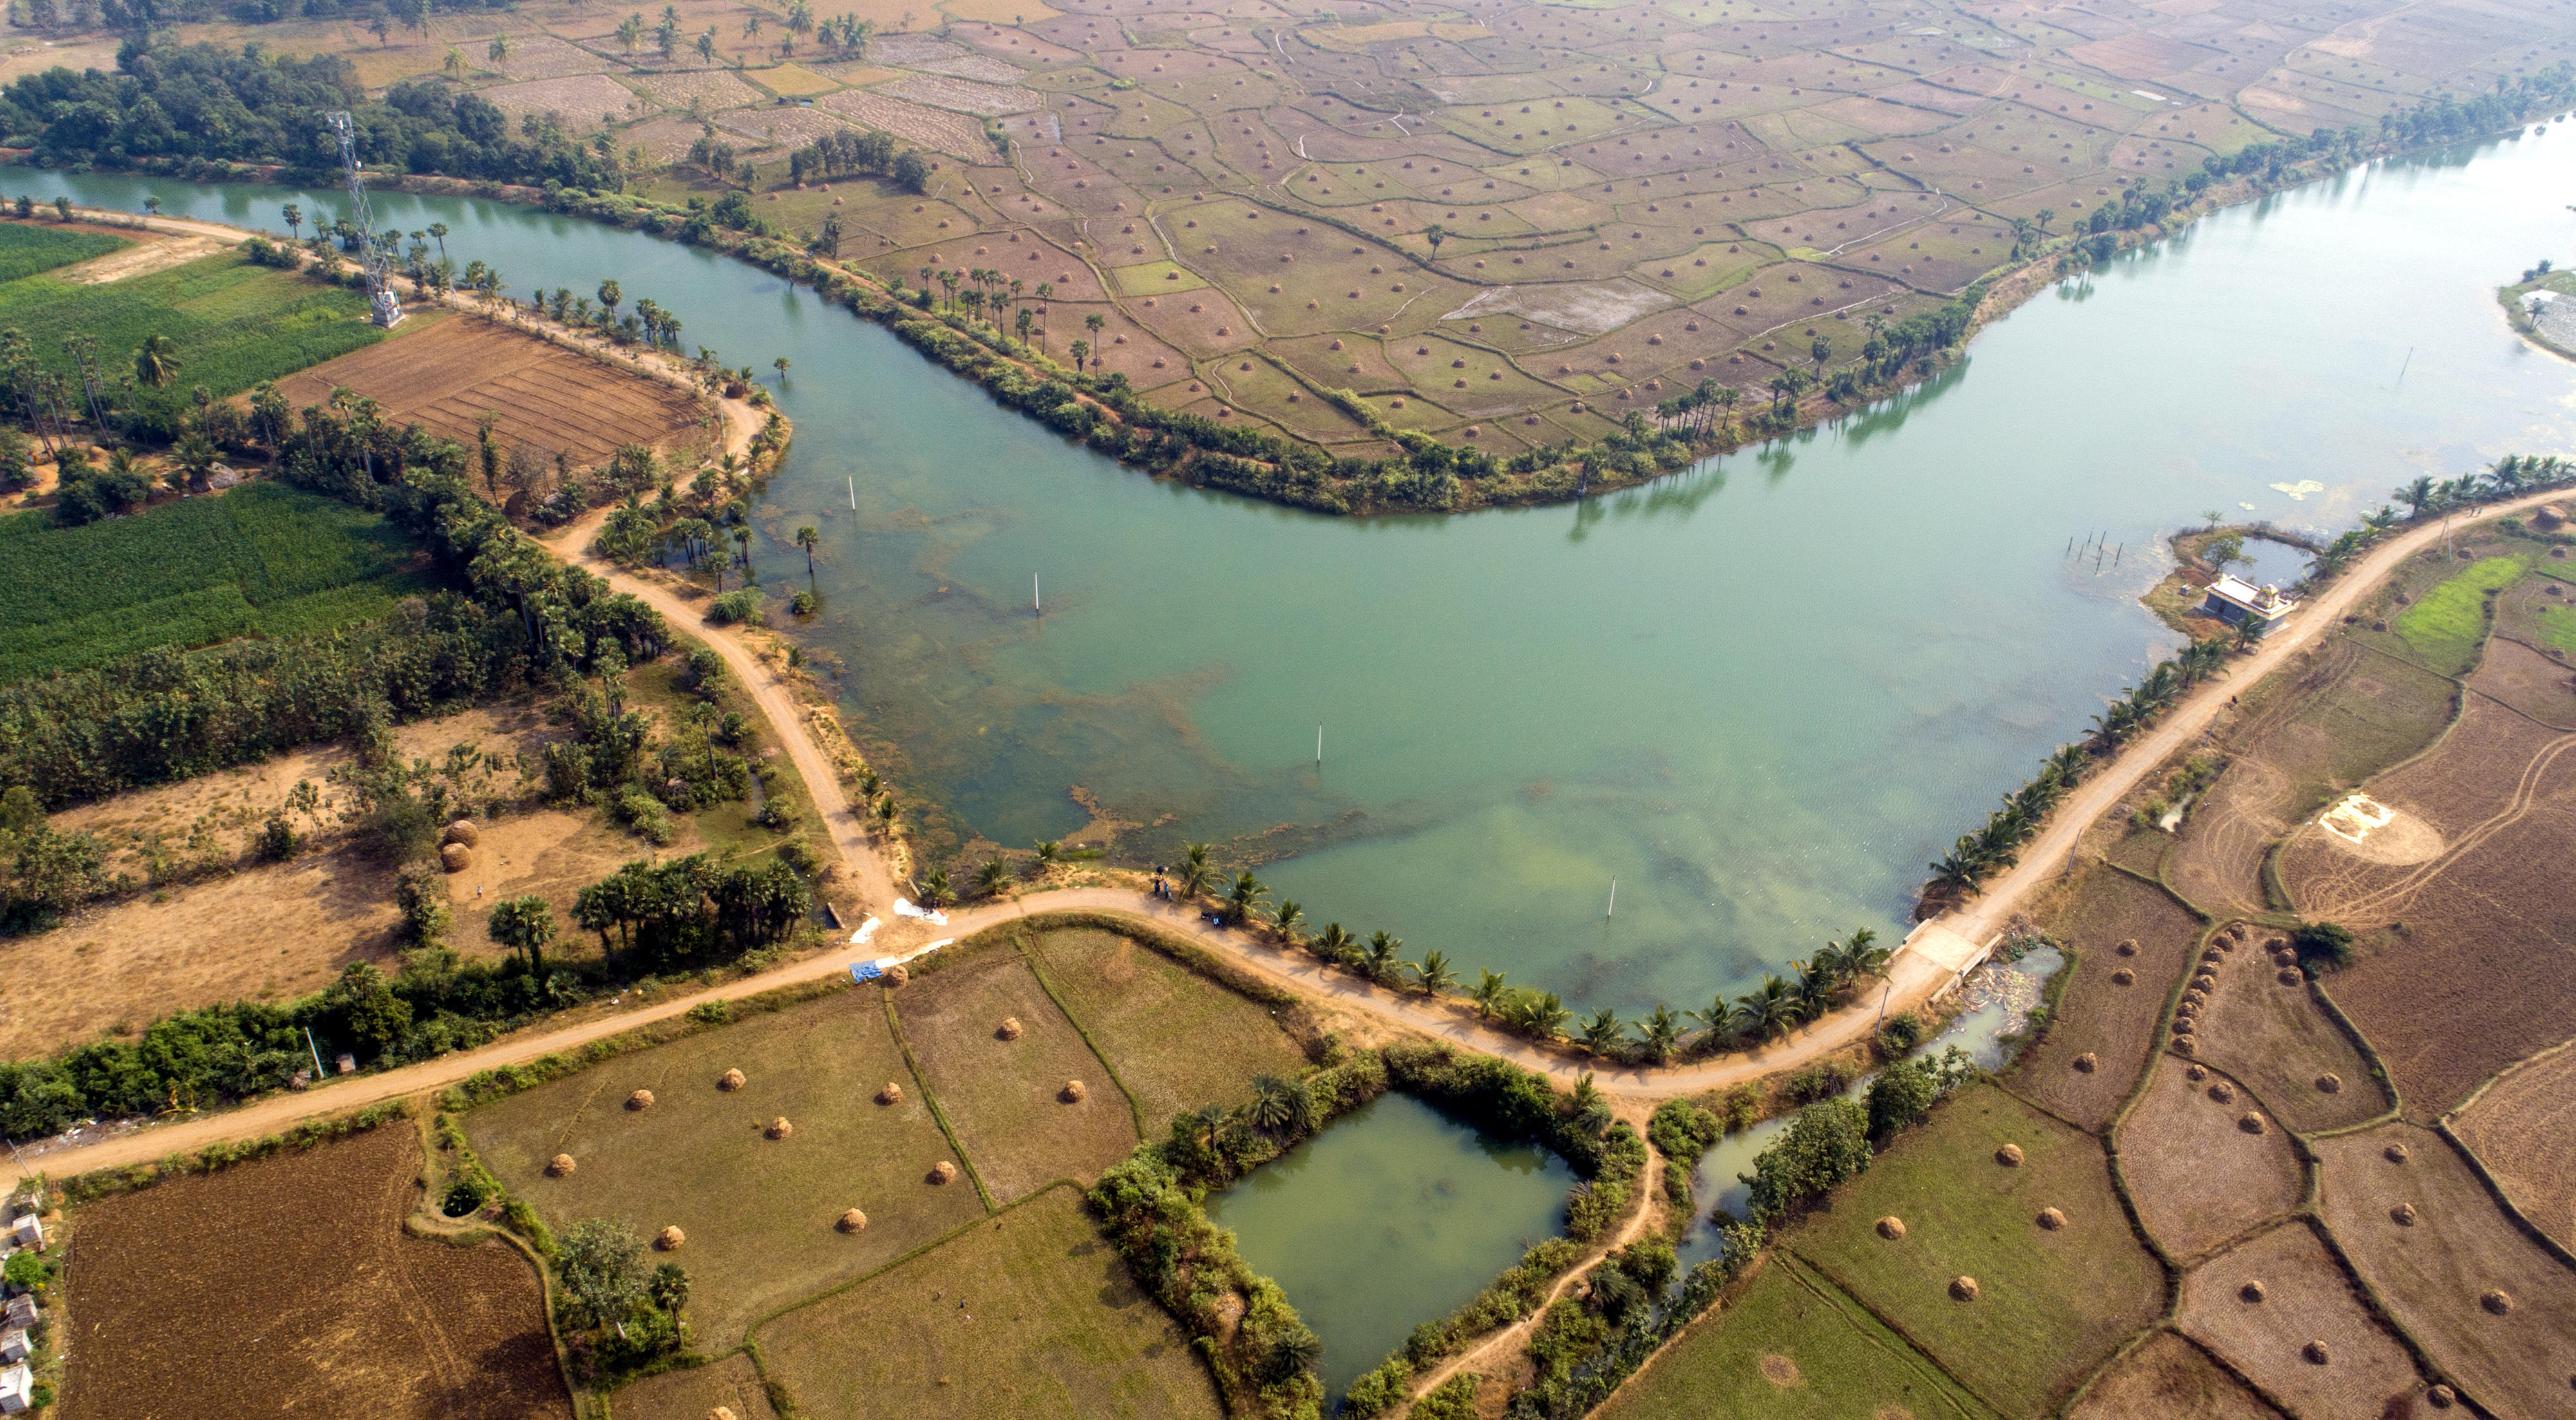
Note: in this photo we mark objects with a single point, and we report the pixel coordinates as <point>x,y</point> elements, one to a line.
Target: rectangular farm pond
<point>1396,1214</point>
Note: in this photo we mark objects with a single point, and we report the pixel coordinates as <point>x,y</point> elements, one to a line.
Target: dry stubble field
<point>2166,1377</point>
<point>2523,1128</point>
<point>2199,1177</point>
<point>287,1287</point>
<point>1177,1042</point>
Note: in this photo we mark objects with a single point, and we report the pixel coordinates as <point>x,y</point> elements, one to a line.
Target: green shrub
<point>738,606</point>
<point>1825,1144</point>
<point>647,815</point>
<point>2322,946</point>
<point>1901,1034</point>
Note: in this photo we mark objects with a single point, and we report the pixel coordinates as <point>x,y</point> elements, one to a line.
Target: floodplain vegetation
<point>1352,260</point>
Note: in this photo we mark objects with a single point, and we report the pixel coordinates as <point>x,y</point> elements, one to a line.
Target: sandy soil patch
<point>1590,307</point>
<point>2305,1298</point>
<point>2486,1303</point>
<point>292,1278</point>
<point>267,933</point>
<point>2524,1129</point>
<point>578,102</point>
<point>2168,1378</point>
<point>2197,1174</point>
<point>451,374</point>
<point>141,259</point>
<point>2377,833</point>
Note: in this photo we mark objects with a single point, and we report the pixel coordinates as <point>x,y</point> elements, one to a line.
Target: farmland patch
<point>2266,1029</point>
<point>308,1290</point>
<point>580,103</point>
<point>2261,1306</point>
<point>2198,1172</point>
<point>27,248</point>
<point>2168,1378</point>
<point>2117,926</point>
<point>1177,1039</point>
<point>2523,1128</point>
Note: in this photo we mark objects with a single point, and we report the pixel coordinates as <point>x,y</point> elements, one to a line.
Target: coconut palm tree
<point>1050,852</point>
<point>156,361</point>
<point>1246,894</point>
<point>1275,1104</point>
<point>1769,1010</point>
<point>937,889</point>
<point>1194,870</point>
<point>1380,959</point>
<point>1863,956</point>
<point>994,876</point>
<point>1662,1029</point>
<point>1603,1033</point>
<point>1489,992</point>
<point>1432,975</point>
<point>806,537</point>
<point>1335,943</point>
<point>1539,1013</point>
<point>1718,1020</point>
<point>2416,495</point>
<point>1283,919</point>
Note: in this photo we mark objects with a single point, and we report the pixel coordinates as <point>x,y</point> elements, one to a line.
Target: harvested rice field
<point>2523,1128</point>
<point>2204,1160</point>
<point>2166,1377</point>
<point>2131,943</point>
<point>1177,1040</point>
<point>287,1286</point>
<point>760,1214</point>
<point>1027,1313</point>
<point>450,373</point>
<point>2262,1307</point>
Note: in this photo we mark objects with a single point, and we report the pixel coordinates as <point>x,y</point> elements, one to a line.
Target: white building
<point>2238,602</point>
<point>17,1389</point>
<point>14,1345</point>
<point>28,1231</point>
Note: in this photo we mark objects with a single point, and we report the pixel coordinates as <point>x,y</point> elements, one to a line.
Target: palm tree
<point>1863,956</point>
<point>1662,1030</point>
<point>498,49</point>
<point>155,362</point>
<point>780,365</point>
<point>1539,1013</point>
<point>1334,943</point>
<point>438,232</point>
<point>937,888</point>
<point>1718,1020</point>
<point>1380,961</point>
<point>1283,918</point>
<point>806,538</point>
<point>1279,1106</point>
<point>1246,893</point>
<point>2416,495</point>
<point>1768,1010</point>
<point>994,876</point>
<point>1489,992</point>
<point>1194,871</point>
<point>294,216</point>
<point>1431,975</point>
<point>1602,1033</point>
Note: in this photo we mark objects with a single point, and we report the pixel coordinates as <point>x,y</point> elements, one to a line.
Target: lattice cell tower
<point>380,290</point>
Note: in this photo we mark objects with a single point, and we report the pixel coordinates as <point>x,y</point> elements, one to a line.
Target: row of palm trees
<point>2507,477</point>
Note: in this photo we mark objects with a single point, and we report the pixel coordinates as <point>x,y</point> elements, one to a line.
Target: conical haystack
<point>461,831</point>
<point>731,1080</point>
<point>1891,1228</point>
<point>669,1239</point>
<point>891,1094</point>
<point>852,1221</point>
<point>560,1166</point>
<point>2009,1156</point>
<point>1073,1092</point>
<point>1963,1289</point>
<point>1010,1029</point>
<point>456,857</point>
<point>779,1128</point>
<point>641,1099</point>
<point>942,1171</point>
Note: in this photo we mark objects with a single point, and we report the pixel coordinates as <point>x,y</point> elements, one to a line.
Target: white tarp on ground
<point>932,916</point>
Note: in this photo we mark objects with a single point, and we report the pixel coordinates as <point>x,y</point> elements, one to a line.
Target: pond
<point>1759,695</point>
<point>2272,564</point>
<point>1394,1215</point>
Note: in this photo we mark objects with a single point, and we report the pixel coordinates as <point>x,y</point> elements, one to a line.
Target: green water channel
<point>1759,694</point>
<point>1394,1215</point>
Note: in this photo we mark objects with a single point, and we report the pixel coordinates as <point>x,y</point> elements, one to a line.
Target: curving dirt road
<point>1912,979</point>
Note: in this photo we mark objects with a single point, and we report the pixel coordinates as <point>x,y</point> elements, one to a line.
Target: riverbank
<point>2539,310</point>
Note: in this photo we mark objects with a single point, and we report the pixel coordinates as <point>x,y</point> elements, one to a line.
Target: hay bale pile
<point>852,1221</point>
<point>779,1128</point>
<point>1073,1092</point>
<point>942,1171</point>
<point>2127,948</point>
<point>2087,1063</point>
<point>560,1166</point>
<point>1963,1289</point>
<point>1010,1029</point>
<point>2330,1083</point>
<point>2395,1153</point>
<point>641,1099</point>
<point>2442,1397</point>
<point>2292,976</point>
<point>2252,1291</point>
<point>891,1094</point>
<point>2403,1215</point>
<point>2051,1219</point>
<point>720,1413</point>
<point>2124,977</point>
<point>2009,1156</point>
<point>2194,1073</point>
<point>2498,1301</point>
<point>896,975</point>
<point>2223,1092</point>
<point>462,831</point>
<point>2316,1353</point>
<point>2251,1123</point>
<point>670,1239</point>
<point>731,1080</point>
<point>2549,517</point>
<point>456,857</point>
<point>1891,1228</point>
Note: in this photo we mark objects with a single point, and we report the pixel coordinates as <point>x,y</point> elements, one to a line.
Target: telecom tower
<point>388,311</point>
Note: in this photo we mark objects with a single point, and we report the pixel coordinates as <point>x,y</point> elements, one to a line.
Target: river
<point>1759,694</point>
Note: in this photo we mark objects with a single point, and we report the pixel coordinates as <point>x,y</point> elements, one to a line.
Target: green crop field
<point>2446,626</point>
<point>230,324</point>
<point>260,560</point>
<point>1027,1314</point>
<point>26,250</point>
<point>1176,1039</point>
<point>2084,1287</point>
<point>2558,626</point>
<point>1794,1346</point>
<point>759,1213</point>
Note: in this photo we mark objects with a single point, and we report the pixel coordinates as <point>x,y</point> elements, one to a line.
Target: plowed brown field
<point>448,376</point>
<point>287,1287</point>
<point>2524,1129</point>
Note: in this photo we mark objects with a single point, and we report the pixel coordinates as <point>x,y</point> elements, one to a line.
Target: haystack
<point>669,1239</point>
<point>2441,1397</point>
<point>2087,1063</point>
<point>1891,1227</point>
<point>720,1413</point>
<point>2403,1215</point>
<point>456,857</point>
<point>896,975</point>
<point>1010,1028</point>
<point>2223,1092</point>
<point>560,1166</point>
<point>779,1128</point>
<point>852,1221</point>
<point>2276,944</point>
<point>2252,1291</point>
<point>2194,1073</point>
<point>2184,1025</point>
<point>2498,1301</point>
<point>2183,1046</point>
<point>461,831</point>
<point>2549,517</point>
<point>2395,1153</point>
<point>2213,956</point>
<point>2285,957</point>
<point>641,1099</point>
<point>1073,1092</point>
<point>731,1080</point>
<point>2251,1122</point>
<point>2009,1156</point>
<point>2330,1084</point>
<point>2124,977</point>
<point>2316,1353</point>
<point>2051,1219</point>
<point>1963,1289</point>
<point>2207,980</point>
<point>2127,948</point>
<point>891,1094</point>
<point>942,1171</point>
<point>2291,976</point>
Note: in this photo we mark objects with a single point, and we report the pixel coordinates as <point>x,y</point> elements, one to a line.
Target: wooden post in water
<point>1036,603</point>
<point>1319,746</point>
<point>1614,899</point>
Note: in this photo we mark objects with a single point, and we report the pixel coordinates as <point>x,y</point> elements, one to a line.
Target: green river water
<point>1759,694</point>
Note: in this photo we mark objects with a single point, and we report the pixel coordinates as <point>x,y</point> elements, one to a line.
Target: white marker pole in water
<point>1036,602</point>
<point>1614,899</point>
<point>854,492</point>
<point>1319,746</point>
